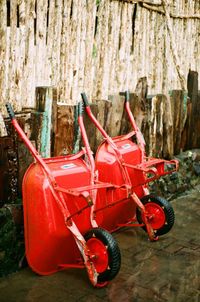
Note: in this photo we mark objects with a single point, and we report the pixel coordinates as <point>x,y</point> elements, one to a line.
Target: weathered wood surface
<point>193,117</point>
<point>44,104</point>
<point>162,119</point>
<point>178,100</point>
<point>3,131</point>
<point>8,171</point>
<point>64,130</point>
<point>96,46</point>
<point>139,110</point>
<point>14,159</point>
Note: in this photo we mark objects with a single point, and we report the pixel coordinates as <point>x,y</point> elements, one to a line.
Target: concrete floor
<point>166,270</point>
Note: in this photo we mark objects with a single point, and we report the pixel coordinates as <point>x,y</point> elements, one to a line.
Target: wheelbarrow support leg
<point>81,243</point>
<point>150,231</point>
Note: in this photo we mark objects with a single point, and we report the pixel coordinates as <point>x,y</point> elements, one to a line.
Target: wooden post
<point>15,159</point>
<point>193,136</point>
<point>44,103</point>
<point>93,134</point>
<point>178,100</point>
<point>168,141</point>
<point>64,135</point>
<point>139,110</point>
<point>156,126</point>
<point>3,33</point>
<point>113,115</point>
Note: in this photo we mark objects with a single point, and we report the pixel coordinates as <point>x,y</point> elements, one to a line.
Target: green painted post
<point>44,102</point>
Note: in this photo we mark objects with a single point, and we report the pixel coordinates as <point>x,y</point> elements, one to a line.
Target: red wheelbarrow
<point>59,197</point>
<point>123,162</point>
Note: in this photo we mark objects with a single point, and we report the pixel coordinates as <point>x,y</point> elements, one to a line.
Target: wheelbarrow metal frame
<point>147,165</point>
<point>88,192</point>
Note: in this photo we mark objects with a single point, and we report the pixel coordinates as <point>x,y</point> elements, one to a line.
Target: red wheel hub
<point>98,254</point>
<point>155,215</point>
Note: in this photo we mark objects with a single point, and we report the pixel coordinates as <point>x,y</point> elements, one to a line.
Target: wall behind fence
<point>101,47</point>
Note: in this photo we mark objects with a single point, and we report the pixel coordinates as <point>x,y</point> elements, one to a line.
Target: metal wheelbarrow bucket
<point>59,195</point>
<point>123,162</point>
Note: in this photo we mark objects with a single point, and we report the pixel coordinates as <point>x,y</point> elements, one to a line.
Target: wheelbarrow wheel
<point>105,252</point>
<point>160,214</point>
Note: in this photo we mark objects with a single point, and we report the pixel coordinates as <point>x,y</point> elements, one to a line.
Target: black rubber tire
<point>114,255</point>
<point>168,211</point>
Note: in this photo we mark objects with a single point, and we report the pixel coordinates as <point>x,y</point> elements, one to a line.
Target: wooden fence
<point>101,47</point>
<point>170,123</point>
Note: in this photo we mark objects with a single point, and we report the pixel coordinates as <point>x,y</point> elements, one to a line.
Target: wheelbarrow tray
<point>49,244</point>
<point>141,170</point>
<point>114,207</point>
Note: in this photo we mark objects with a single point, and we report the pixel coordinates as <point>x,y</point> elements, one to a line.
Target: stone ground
<point>166,270</point>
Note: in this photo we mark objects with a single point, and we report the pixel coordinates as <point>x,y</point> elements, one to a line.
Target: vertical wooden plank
<point>21,51</point>
<point>113,43</point>
<point>156,126</point>
<point>124,49</point>
<point>41,30</point>
<point>165,87</point>
<point>3,34</point>
<point>168,130</point>
<point>64,136</point>
<point>44,103</point>
<point>76,39</point>
<point>55,63</point>
<point>173,46</point>
<point>93,134</point>
<point>101,75</point>
<point>152,51</point>
<point>64,52</point>
<point>113,119</point>
<point>12,73</point>
<point>179,114</point>
<point>139,111</point>
<point>193,137</point>
<point>159,54</point>
<point>90,47</point>
<point>50,41</point>
<point>82,52</point>
<point>30,59</point>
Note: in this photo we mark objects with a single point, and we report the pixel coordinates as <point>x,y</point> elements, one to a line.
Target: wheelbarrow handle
<point>10,111</point>
<point>85,99</point>
<point>126,94</point>
<point>80,108</point>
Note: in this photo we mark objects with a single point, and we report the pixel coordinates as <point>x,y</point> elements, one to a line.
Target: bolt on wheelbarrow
<point>60,231</point>
<point>123,162</point>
